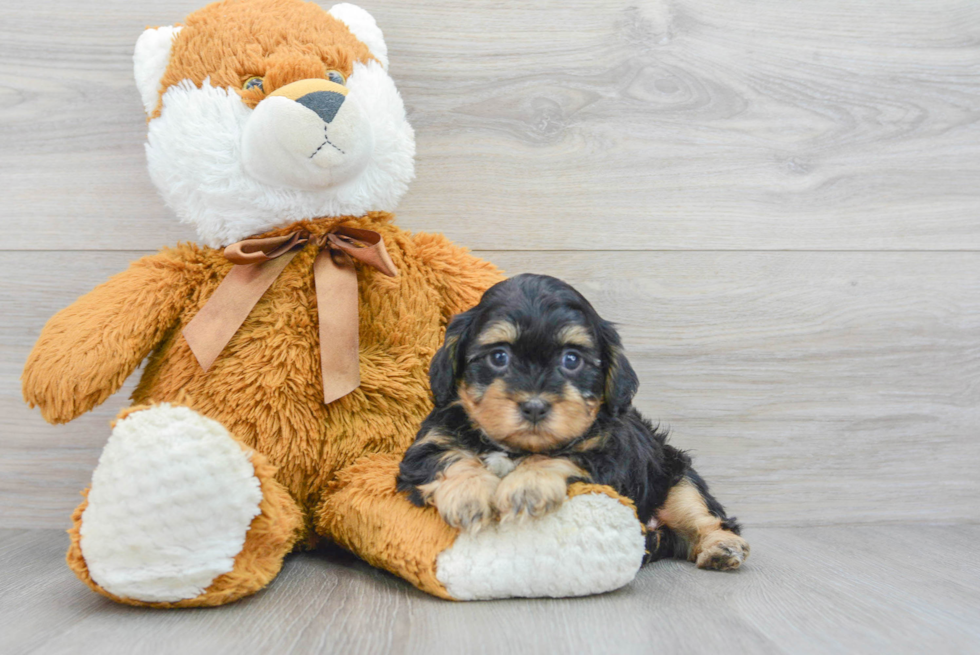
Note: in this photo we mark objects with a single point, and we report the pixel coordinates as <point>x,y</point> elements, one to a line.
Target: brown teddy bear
<point>286,372</point>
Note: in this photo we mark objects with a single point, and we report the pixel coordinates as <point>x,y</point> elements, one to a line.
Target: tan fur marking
<point>436,437</point>
<point>590,444</point>
<point>491,409</point>
<point>496,412</point>
<point>710,545</point>
<point>616,355</point>
<point>536,487</point>
<point>463,493</point>
<point>572,415</point>
<point>576,335</point>
<point>498,332</point>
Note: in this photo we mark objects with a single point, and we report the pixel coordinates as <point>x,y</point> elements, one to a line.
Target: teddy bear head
<point>266,112</point>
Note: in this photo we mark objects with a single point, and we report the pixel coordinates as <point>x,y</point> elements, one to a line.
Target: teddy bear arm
<point>459,277</point>
<point>86,351</point>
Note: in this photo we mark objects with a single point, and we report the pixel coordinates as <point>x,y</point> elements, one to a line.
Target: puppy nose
<point>325,103</point>
<point>535,410</point>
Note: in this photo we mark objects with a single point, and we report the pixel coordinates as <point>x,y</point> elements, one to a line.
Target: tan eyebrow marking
<point>575,335</point>
<point>499,332</point>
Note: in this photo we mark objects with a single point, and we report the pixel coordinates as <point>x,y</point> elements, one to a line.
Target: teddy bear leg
<point>180,514</point>
<point>593,544</point>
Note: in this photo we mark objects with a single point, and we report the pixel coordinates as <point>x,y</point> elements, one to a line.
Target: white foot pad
<point>171,500</point>
<point>593,544</point>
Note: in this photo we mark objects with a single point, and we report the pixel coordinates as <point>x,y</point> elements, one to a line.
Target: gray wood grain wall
<point>778,202</point>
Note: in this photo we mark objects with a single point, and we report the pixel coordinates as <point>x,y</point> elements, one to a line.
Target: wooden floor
<point>777,202</point>
<point>842,589</point>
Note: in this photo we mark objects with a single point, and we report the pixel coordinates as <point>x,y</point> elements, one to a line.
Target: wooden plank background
<point>778,202</point>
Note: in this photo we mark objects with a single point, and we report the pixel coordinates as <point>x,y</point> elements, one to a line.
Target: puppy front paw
<point>468,510</point>
<point>463,494</point>
<point>524,494</point>
<point>722,551</point>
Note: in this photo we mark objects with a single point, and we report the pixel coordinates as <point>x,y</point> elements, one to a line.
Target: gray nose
<point>325,103</point>
<point>535,410</point>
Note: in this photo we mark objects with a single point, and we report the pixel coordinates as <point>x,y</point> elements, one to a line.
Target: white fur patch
<point>498,463</point>
<point>363,26</point>
<point>194,152</point>
<point>171,501</point>
<point>591,545</point>
<point>150,60</point>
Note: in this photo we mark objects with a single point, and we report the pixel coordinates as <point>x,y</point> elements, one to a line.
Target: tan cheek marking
<point>499,332</point>
<point>571,416</point>
<point>496,412</point>
<point>575,335</point>
<point>493,411</point>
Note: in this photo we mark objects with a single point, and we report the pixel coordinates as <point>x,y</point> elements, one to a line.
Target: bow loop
<point>365,246</point>
<point>256,251</point>
<point>257,264</point>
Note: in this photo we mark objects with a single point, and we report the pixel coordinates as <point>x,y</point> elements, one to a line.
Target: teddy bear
<point>286,353</point>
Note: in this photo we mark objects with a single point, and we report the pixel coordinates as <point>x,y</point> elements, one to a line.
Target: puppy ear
<point>363,26</point>
<point>447,364</point>
<point>621,380</point>
<point>150,60</point>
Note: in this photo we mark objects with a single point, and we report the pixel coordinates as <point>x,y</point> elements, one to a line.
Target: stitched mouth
<point>326,141</point>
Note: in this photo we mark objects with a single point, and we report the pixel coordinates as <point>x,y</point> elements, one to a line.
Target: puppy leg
<point>706,535</point>
<point>463,493</point>
<point>536,487</point>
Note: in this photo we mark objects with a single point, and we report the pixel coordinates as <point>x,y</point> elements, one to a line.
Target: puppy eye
<point>335,76</point>
<point>571,361</point>
<point>498,359</point>
<point>253,82</point>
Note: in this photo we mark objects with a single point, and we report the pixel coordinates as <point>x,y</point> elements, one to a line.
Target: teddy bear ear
<point>362,25</point>
<point>150,61</point>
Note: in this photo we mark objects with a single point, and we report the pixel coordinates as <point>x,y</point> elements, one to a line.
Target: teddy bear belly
<point>272,401</point>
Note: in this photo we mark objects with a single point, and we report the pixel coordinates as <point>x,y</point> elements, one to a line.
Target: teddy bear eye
<point>335,76</point>
<point>253,82</point>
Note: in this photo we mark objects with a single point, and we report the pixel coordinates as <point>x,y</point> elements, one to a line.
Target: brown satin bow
<point>258,262</point>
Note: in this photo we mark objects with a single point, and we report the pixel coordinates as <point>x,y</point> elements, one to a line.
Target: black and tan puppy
<point>532,391</point>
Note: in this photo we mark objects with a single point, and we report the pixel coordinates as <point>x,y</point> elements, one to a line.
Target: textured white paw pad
<point>593,544</point>
<point>171,500</point>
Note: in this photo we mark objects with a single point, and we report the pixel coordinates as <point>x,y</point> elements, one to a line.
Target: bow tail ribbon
<point>258,262</point>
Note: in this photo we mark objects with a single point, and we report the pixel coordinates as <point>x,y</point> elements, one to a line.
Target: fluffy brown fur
<point>295,41</point>
<point>265,387</point>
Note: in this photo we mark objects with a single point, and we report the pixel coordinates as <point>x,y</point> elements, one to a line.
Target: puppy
<point>532,391</point>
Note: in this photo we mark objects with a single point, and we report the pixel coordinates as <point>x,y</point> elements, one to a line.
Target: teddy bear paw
<point>169,507</point>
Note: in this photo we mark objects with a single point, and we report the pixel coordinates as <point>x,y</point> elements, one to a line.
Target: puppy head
<point>532,364</point>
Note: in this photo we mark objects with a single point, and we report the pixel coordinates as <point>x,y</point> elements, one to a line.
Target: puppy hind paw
<point>724,552</point>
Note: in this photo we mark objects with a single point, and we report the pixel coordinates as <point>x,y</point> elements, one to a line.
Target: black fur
<point>628,453</point>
